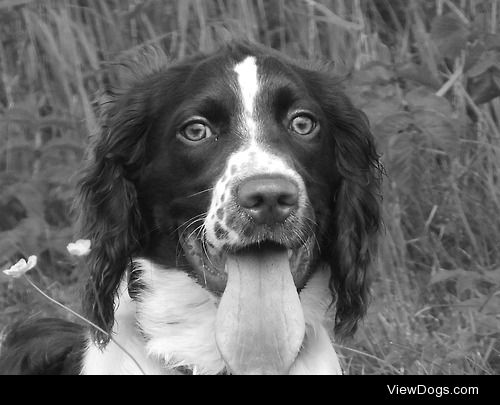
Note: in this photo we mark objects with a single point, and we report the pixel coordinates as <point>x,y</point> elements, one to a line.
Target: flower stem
<point>86,321</point>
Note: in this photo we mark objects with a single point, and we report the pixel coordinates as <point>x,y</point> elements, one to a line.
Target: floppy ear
<point>357,215</point>
<point>108,209</point>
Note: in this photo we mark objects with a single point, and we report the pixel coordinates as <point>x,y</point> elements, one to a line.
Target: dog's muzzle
<point>259,324</point>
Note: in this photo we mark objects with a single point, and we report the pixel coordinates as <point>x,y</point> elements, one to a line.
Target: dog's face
<point>228,162</point>
<point>241,160</point>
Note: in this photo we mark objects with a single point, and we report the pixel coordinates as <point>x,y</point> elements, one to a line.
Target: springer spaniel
<point>232,201</point>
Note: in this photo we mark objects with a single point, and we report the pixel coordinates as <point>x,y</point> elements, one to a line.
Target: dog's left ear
<point>357,212</point>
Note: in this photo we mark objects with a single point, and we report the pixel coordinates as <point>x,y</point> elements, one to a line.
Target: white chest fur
<point>172,325</point>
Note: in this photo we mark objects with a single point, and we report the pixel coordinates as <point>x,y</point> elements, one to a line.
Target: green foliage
<point>427,74</point>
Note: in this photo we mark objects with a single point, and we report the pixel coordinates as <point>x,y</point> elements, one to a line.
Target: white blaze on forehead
<point>249,87</point>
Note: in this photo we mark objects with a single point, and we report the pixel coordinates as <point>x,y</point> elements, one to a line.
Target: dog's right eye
<point>195,131</point>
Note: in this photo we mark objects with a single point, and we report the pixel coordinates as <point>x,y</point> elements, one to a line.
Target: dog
<point>232,201</point>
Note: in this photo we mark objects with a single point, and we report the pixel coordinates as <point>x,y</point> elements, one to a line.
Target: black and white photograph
<point>251,187</point>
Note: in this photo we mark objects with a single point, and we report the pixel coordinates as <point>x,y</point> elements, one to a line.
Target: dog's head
<point>229,161</point>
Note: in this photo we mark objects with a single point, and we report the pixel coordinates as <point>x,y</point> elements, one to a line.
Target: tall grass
<point>427,73</point>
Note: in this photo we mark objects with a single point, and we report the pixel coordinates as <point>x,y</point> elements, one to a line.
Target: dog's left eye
<point>303,125</point>
<point>195,131</point>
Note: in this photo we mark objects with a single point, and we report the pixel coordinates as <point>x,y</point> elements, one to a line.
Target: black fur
<point>42,346</point>
<point>138,182</point>
<point>111,212</point>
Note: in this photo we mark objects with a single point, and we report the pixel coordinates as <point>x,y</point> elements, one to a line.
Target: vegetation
<point>426,72</point>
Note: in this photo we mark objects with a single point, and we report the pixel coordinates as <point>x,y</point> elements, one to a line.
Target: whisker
<point>202,239</point>
<point>190,221</point>
<point>303,242</point>
<point>312,230</point>
<point>186,225</point>
<point>178,247</point>
<point>308,251</point>
<point>195,230</point>
<point>315,241</point>
<point>204,246</point>
<point>200,192</point>
<point>310,220</point>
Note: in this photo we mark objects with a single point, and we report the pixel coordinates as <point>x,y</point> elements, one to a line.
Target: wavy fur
<point>132,196</point>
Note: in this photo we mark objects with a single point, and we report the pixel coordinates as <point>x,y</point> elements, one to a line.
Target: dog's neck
<point>170,328</point>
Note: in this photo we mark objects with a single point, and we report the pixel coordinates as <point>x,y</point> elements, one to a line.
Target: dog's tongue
<point>260,324</point>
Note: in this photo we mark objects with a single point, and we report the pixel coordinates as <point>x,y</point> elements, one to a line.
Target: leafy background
<point>427,73</point>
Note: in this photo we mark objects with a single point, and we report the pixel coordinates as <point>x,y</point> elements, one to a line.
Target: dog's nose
<point>268,200</point>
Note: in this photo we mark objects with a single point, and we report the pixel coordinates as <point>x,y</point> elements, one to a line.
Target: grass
<point>426,72</point>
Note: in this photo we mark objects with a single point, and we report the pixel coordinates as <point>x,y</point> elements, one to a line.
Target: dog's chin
<point>208,264</point>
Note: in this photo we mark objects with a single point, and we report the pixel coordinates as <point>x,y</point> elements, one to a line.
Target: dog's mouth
<point>208,264</point>
<point>260,325</point>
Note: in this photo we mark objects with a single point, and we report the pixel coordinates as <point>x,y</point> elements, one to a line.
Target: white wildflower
<point>79,248</point>
<point>21,267</point>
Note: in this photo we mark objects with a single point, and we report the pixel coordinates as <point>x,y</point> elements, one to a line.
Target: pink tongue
<point>260,325</point>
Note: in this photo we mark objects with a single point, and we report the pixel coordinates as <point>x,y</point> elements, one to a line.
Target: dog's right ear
<point>107,206</point>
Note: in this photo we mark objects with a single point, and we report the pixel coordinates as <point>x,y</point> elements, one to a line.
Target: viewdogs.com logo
<point>438,392</point>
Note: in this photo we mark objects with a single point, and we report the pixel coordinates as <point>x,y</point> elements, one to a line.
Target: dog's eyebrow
<point>213,108</point>
<point>282,97</point>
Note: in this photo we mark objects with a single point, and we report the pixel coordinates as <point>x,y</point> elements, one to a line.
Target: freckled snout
<point>268,200</point>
